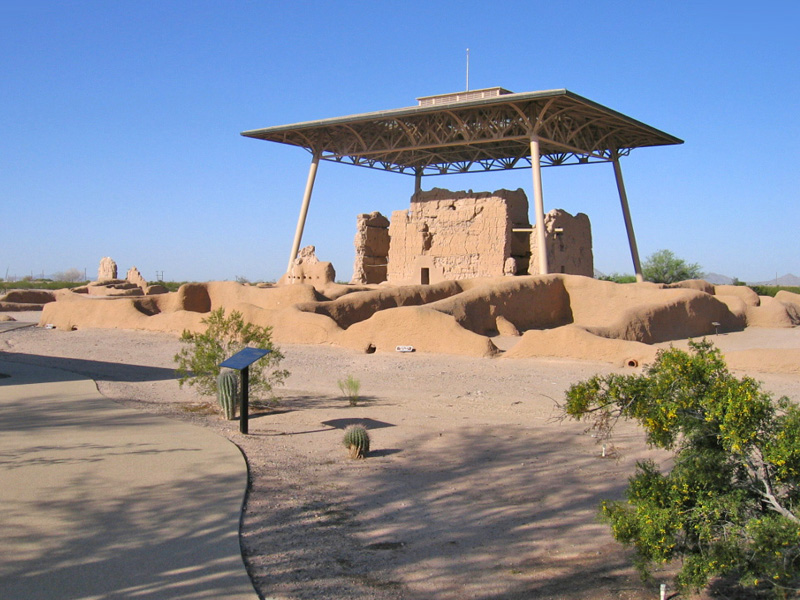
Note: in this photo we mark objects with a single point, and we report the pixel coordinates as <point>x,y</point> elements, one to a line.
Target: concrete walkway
<point>100,502</point>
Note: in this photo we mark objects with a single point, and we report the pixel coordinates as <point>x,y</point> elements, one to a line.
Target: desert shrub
<point>771,290</point>
<point>70,275</point>
<point>356,440</point>
<point>664,267</point>
<point>39,284</point>
<point>350,388</point>
<point>618,278</point>
<point>172,286</point>
<point>730,505</point>
<point>198,361</point>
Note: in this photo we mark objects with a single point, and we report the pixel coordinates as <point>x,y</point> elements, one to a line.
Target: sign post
<point>241,362</point>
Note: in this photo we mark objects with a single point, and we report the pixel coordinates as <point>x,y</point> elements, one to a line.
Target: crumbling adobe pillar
<point>372,248</point>
<point>107,269</point>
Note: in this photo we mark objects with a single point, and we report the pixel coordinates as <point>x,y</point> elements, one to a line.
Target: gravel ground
<point>473,488</point>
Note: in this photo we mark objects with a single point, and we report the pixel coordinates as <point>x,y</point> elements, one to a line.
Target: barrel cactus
<point>356,439</point>
<point>227,388</point>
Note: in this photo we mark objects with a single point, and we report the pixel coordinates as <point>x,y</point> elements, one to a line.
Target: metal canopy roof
<point>489,134</point>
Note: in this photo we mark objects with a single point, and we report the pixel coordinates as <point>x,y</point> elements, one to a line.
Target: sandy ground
<point>473,489</point>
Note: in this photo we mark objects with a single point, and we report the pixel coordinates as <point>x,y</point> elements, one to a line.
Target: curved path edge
<point>100,501</point>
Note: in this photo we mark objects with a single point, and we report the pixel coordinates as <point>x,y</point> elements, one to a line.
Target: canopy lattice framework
<point>484,135</point>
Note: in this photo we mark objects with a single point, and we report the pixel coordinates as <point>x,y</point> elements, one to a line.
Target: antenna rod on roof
<point>467,69</point>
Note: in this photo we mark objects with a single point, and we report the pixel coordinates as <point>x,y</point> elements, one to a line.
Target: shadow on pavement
<point>94,369</point>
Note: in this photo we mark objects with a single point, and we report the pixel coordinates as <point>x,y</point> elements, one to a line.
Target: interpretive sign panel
<point>244,358</point>
<point>241,361</point>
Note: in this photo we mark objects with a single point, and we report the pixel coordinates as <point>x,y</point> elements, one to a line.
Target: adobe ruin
<point>447,235</point>
<point>307,268</point>
<point>107,269</point>
<point>491,129</point>
<point>108,285</point>
<point>372,248</point>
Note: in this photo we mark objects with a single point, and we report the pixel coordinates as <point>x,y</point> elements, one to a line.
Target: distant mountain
<point>717,279</point>
<point>788,280</point>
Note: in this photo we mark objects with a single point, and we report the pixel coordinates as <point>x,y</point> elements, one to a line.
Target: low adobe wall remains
<point>556,315</point>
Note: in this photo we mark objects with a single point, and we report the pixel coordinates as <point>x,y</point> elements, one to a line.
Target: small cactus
<point>356,439</point>
<point>227,393</point>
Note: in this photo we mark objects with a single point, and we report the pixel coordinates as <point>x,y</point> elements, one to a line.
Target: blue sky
<point>120,125</point>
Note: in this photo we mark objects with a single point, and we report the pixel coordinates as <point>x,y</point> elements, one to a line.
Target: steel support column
<point>538,202</point>
<point>301,220</point>
<point>626,213</point>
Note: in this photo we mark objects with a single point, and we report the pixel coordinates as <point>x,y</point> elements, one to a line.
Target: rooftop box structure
<point>452,98</point>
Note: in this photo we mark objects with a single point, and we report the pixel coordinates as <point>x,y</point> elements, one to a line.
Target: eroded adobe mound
<point>556,315</point>
<point>22,300</point>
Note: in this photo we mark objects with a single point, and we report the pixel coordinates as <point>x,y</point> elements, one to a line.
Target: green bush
<point>172,286</point>
<point>198,361</point>
<point>350,388</point>
<point>38,284</point>
<point>619,278</point>
<point>49,284</point>
<point>664,267</point>
<point>730,505</point>
<point>771,290</point>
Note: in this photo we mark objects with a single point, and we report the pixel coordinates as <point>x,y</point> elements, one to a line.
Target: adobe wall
<point>372,248</point>
<point>307,268</point>
<point>569,244</point>
<point>556,315</point>
<point>447,235</point>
